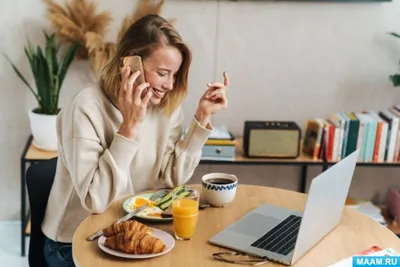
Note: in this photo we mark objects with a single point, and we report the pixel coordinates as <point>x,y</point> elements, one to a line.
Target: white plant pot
<point>43,128</point>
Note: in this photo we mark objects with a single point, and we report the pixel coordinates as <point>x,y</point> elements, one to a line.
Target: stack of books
<point>374,132</point>
<point>221,145</point>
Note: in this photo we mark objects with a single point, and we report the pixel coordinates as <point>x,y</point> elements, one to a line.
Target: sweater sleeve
<point>182,155</point>
<point>99,170</point>
<point>99,175</point>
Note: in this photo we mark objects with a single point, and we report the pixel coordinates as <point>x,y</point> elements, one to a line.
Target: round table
<point>356,232</point>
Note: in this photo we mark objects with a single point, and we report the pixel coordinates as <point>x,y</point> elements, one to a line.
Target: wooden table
<point>355,233</point>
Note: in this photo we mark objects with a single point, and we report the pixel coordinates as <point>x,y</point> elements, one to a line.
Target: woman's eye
<point>162,74</point>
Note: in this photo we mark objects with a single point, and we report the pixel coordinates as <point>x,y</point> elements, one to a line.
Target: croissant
<point>135,243</point>
<point>133,226</point>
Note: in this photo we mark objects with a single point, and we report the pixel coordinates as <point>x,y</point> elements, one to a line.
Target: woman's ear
<point>122,62</point>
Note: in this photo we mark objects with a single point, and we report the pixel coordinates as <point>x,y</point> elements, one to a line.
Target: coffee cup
<point>219,189</point>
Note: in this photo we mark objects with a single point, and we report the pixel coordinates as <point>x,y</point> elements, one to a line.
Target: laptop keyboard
<point>282,238</point>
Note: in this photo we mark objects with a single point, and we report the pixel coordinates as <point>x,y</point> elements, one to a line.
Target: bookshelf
<point>303,158</point>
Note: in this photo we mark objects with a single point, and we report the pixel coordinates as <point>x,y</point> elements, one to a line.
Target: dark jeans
<point>58,254</point>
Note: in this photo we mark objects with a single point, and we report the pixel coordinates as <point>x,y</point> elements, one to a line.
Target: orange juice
<point>185,212</point>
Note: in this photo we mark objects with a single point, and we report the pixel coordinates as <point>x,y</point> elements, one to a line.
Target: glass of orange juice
<point>185,210</point>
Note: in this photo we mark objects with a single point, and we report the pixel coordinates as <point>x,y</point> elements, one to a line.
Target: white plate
<point>166,238</point>
<point>145,214</point>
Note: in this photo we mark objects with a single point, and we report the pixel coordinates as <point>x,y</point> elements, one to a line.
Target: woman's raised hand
<point>131,103</point>
<point>214,99</point>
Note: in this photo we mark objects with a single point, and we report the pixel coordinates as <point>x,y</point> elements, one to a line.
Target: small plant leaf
<point>49,52</point>
<point>48,72</point>
<point>395,79</point>
<point>394,34</point>
<point>66,61</point>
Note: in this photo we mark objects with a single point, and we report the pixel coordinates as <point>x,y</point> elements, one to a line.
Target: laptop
<point>283,235</point>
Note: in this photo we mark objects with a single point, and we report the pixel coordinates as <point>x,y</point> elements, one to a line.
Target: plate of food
<point>134,240</point>
<point>154,212</point>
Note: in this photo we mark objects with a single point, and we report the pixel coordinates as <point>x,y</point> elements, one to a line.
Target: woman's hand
<point>213,100</point>
<point>131,103</point>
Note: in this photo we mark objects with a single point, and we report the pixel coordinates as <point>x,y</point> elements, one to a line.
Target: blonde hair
<point>142,38</point>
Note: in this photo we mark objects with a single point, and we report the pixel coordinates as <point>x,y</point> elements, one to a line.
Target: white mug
<point>219,189</point>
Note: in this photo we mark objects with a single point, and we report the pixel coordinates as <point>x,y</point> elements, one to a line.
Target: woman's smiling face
<point>160,70</point>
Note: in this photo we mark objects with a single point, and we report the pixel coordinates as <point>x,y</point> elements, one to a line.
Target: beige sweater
<point>97,166</point>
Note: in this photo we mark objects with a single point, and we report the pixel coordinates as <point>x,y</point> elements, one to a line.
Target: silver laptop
<point>283,235</point>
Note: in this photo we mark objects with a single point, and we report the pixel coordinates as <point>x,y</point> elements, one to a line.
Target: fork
<point>154,197</point>
<point>158,195</point>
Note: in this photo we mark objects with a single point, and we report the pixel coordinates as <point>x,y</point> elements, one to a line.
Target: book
<point>352,136</point>
<point>221,133</point>
<point>393,128</point>
<point>220,136</point>
<point>313,137</point>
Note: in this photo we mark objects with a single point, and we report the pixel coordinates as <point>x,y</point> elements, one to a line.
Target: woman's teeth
<point>158,93</point>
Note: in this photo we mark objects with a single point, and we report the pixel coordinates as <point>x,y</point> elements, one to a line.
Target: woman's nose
<point>169,85</point>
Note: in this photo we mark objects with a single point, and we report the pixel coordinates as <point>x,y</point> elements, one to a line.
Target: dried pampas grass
<point>80,21</point>
<point>75,19</point>
<point>99,52</point>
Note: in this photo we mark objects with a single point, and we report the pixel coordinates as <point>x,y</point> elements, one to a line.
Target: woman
<point>117,139</point>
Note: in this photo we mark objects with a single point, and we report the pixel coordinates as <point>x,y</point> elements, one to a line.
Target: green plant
<point>395,78</point>
<point>48,71</point>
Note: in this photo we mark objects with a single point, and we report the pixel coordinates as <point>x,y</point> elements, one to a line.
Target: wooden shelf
<point>34,153</point>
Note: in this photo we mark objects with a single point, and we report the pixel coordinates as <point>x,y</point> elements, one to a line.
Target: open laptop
<point>282,235</point>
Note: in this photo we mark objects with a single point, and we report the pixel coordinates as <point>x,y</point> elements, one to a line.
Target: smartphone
<point>135,62</point>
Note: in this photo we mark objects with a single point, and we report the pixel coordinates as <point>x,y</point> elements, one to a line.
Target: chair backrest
<point>39,180</point>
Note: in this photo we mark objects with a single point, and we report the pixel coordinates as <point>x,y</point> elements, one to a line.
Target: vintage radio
<point>271,139</point>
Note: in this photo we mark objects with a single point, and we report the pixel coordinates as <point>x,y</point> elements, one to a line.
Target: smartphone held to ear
<point>136,64</point>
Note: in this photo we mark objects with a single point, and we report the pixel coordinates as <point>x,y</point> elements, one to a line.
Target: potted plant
<point>49,70</point>
<point>395,78</point>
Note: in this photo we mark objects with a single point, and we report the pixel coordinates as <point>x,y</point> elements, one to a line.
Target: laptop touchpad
<point>254,224</point>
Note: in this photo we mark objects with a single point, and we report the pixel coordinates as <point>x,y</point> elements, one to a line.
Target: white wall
<point>287,61</point>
